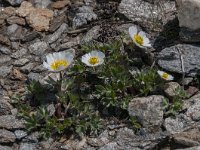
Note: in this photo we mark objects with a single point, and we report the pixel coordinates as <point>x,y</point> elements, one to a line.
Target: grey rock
<point>20,134</point>
<point>189,102</point>
<point>169,59</point>
<point>5,147</point>
<point>193,110</point>
<point>4,70</point>
<point>33,137</point>
<point>191,148</point>
<point>42,4</point>
<point>34,76</point>
<point>56,22</point>
<point>20,62</point>
<point>5,50</point>
<point>187,138</point>
<point>170,89</point>
<point>38,48</point>
<point>5,107</point>
<point>56,35</point>
<point>92,34</point>
<point>12,29</point>
<point>27,146</point>
<point>110,146</point>
<point>39,69</point>
<point>148,110</point>
<point>144,12</point>
<point>188,35</point>
<point>15,2</point>
<point>11,122</point>
<point>27,68</point>
<point>30,36</point>
<point>84,14</point>
<point>178,124</point>
<point>6,136</point>
<point>4,59</point>
<point>16,20</point>
<point>51,109</point>
<point>71,43</point>
<point>19,53</point>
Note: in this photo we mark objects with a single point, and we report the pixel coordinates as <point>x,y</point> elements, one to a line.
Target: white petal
<point>46,65</point>
<point>142,34</point>
<point>132,31</point>
<point>49,58</point>
<point>170,78</point>
<point>101,55</point>
<point>160,72</point>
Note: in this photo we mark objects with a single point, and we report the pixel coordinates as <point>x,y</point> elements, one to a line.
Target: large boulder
<point>170,59</point>
<point>189,19</point>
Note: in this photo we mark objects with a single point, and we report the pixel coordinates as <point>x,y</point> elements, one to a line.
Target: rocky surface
<point>31,29</point>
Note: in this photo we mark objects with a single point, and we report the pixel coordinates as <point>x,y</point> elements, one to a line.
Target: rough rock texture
<point>37,18</point>
<point>148,110</point>
<point>169,58</point>
<point>189,19</point>
<point>10,122</point>
<point>5,107</point>
<point>144,12</point>
<point>38,48</point>
<point>15,2</point>
<point>170,89</point>
<point>6,136</point>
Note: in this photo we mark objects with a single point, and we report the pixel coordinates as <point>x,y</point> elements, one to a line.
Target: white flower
<point>165,75</point>
<point>58,61</point>
<point>139,38</point>
<point>94,58</point>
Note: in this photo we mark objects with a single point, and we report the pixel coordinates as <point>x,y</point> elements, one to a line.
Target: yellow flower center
<point>165,76</point>
<point>93,60</point>
<point>138,39</point>
<point>59,63</point>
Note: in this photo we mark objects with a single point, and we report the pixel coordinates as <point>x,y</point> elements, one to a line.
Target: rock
<point>92,34</point>
<point>9,11</point>
<point>189,20</point>
<point>6,136</point>
<point>14,2</point>
<point>178,124</point>
<point>38,48</point>
<point>32,138</point>
<point>169,59</point>
<point>20,62</point>
<point>30,36</point>
<point>42,4</point>
<point>27,68</point>
<point>15,32</point>
<point>191,148</point>
<point>5,50</point>
<point>110,146</point>
<point>19,53</point>
<point>34,76</point>
<point>4,40</point>
<point>27,146</point>
<point>11,122</point>
<point>170,89</point>
<point>5,148</point>
<point>16,20</point>
<point>144,12</point>
<point>148,110</point>
<point>60,4</point>
<point>56,35</point>
<point>4,71</point>
<point>84,14</point>
<point>194,110</point>
<point>20,134</point>
<point>4,59</point>
<point>17,75</point>
<point>37,18</point>
<point>71,43</point>
<point>5,107</point>
<point>56,22</point>
<point>191,90</point>
<point>39,68</point>
<point>188,138</point>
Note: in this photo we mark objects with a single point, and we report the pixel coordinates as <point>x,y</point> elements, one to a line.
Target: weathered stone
<point>20,134</point>
<point>5,70</point>
<point>191,90</point>
<point>51,109</point>
<point>194,110</point>
<point>42,4</point>
<point>92,34</point>
<point>187,138</point>
<point>5,148</point>
<point>19,53</point>
<point>16,20</point>
<point>27,68</point>
<point>15,2</point>
<point>148,110</point>
<point>16,74</point>
<point>56,22</point>
<point>27,146</point>
<point>10,122</point>
<point>84,14</point>
<point>56,35</point>
<point>37,18</point>
<point>6,136</point>
<point>15,32</point>
<point>5,50</point>
<point>144,12</point>
<point>71,43</point>
<point>30,36</point>
<point>169,58</point>
<point>34,76</point>
<point>178,124</point>
<point>38,48</point>
<point>110,146</point>
<point>20,62</point>
<point>4,40</point>
<point>5,107</point>
<point>60,4</point>
<point>9,11</point>
<point>170,89</point>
